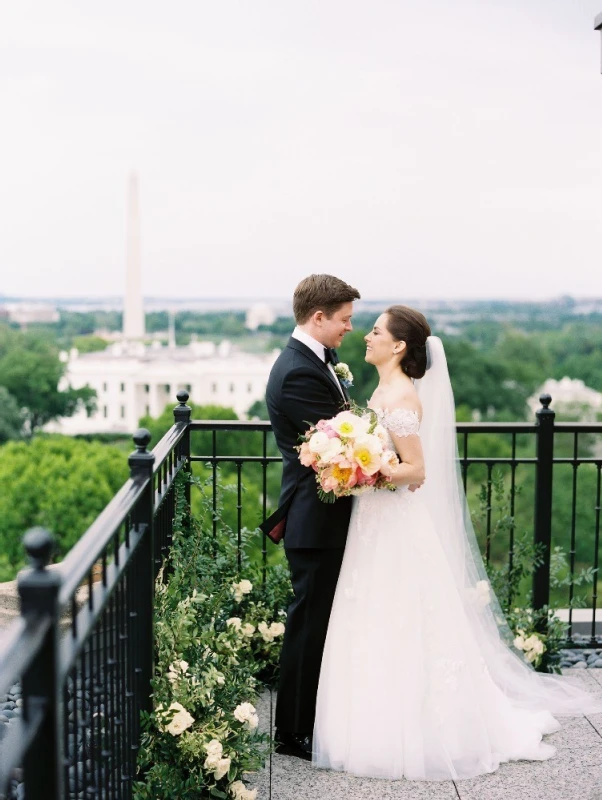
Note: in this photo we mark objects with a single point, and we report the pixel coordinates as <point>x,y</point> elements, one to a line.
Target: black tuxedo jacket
<point>302,390</point>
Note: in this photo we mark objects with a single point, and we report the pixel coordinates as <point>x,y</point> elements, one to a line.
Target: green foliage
<point>217,323</point>
<point>535,630</point>
<point>258,410</point>
<point>56,482</point>
<point>90,344</point>
<point>30,370</point>
<point>217,633</point>
<point>481,382</point>
<point>201,442</point>
<point>11,417</point>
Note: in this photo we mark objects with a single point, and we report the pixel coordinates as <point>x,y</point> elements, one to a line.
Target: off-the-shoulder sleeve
<point>401,421</point>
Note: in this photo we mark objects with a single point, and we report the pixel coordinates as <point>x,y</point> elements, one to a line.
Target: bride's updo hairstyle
<point>410,326</point>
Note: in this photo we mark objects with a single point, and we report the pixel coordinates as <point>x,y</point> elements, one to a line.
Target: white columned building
<point>134,381</point>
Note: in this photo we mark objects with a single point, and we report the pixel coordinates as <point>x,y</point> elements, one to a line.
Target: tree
<point>483,383</point>
<point>90,344</point>
<point>526,358</point>
<point>31,371</point>
<point>258,410</point>
<point>57,482</point>
<point>11,418</point>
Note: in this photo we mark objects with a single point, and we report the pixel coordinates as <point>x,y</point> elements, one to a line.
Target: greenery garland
<point>218,637</point>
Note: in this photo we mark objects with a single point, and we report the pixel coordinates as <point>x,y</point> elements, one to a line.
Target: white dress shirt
<point>318,348</point>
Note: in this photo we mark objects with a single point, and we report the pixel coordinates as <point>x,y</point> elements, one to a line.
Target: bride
<point>418,678</point>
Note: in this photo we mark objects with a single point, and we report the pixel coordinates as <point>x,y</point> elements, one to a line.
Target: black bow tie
<point>330,356</point>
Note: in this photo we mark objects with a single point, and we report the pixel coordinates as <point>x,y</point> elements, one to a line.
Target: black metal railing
<point>83,648</point>
<point>556,511</point>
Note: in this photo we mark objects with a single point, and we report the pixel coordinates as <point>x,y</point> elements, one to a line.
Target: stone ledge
<point>10,607</point>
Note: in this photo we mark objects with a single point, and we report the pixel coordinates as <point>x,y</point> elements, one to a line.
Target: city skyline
<point>416,152</point>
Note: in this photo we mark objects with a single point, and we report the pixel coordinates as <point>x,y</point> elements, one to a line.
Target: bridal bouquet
<point>349,453</point>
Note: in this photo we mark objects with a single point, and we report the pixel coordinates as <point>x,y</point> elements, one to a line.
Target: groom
<point>303,388</point>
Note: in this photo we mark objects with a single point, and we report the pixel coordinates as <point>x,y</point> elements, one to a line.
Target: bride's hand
<point>413,486</point>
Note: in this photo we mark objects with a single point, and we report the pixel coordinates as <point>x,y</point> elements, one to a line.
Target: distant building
<point>25,314</point>
<point>571,397</point>
<point>259,314</point>
<point>132,380</point>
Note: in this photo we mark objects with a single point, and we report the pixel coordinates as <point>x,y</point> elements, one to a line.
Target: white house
<point>132,380</point>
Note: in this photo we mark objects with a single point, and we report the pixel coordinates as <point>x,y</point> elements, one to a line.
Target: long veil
<point>444,494</point>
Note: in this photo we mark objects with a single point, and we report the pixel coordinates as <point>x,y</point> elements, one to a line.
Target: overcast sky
<point>424,149</point>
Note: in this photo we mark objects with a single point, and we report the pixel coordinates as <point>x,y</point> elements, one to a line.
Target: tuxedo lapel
<point>295,344</point>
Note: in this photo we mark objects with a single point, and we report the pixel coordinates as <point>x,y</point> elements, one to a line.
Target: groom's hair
<point>321,293</point>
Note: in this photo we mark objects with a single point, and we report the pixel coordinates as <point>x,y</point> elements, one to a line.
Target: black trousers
<point>314,575</point>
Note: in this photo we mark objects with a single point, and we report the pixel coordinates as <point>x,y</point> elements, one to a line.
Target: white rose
<point>266,633</point>
<point>248,629</point>
<point>332,449</point>
<point>214,749</point>
<point>318,442</point>
<point>180,721</point>
<point>211,763</point>
<point>519,642</point>
<point>535,644</point>
<point>219,679</point>
<point>244,711</point>
<point>240,792</point>
<point>222,767</point>
<point>531,656</point>
<point>240,589</point>
<point>234,622</point>
<point>253,722</point>
<point>277,628</point>
<point>176,670</point>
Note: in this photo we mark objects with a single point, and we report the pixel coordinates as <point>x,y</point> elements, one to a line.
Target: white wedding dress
<point>416,679</point>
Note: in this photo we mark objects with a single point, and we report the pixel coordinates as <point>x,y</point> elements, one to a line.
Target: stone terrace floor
<point>575,773</point>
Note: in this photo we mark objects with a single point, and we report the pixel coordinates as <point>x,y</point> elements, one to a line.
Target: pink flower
<point>323,426</point>
<point>389,463</point>
<point>306,457</point>
<point>365,480</point>
<point>360,477</point>
<point>327,481</point>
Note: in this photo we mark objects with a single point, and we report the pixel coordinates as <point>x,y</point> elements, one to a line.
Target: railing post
<point>38,592</point>
<point>543,500</point>
<point>141,464</point>
<point>182,413</point>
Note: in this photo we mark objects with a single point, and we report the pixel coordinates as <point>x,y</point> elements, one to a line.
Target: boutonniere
<point>344,374</point>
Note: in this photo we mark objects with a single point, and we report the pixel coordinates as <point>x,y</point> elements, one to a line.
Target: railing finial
<point>545,400</point>
<point>182,412</point>
<point>39,544</point>
<point>141,462</point>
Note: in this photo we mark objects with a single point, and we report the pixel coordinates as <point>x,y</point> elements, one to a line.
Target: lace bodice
<point>400,421</point>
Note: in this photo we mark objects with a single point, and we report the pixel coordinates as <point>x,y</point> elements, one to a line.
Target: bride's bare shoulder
<point>405,397</point>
